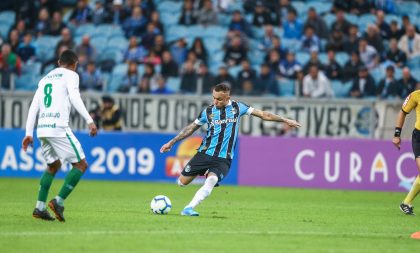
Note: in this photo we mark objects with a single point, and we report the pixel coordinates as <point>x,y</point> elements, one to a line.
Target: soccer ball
<point>160,205</point>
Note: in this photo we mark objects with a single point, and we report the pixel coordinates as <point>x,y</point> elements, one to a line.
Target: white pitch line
<point>133,232</point>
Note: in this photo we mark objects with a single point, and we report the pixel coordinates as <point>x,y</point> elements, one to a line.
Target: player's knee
<point>181,183</point>
<point>82,165</point>
<point>54,167</point>
<point>212,180</point>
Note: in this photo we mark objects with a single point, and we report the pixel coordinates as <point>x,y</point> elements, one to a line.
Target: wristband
<point>397,132</point>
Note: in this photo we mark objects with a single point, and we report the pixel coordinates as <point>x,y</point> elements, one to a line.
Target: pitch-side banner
<point>326,163</point>
<point>111,156</point>
<point>169,114</point>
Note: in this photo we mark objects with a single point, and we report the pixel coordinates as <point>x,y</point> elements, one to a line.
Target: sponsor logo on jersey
<point>406,101</point>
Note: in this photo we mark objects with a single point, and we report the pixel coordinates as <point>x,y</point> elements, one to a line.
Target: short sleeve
<point>409,103</point>
<point>201,119</point>
<point>245,109</point>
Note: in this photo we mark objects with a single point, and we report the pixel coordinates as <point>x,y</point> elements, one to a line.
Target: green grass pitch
<point>110,217</point>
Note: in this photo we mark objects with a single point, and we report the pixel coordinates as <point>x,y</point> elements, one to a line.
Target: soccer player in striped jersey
<point>410,103</point>
<point>216,152</point>
<point>56,93</point>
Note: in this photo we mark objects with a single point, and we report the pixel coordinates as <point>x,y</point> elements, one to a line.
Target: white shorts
<point>66,149</point>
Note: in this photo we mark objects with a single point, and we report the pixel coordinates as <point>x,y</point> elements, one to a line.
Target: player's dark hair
<point>68,58</point>
<point>223,86</point>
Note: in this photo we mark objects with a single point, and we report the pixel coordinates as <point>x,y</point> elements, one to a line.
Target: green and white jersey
<point>56,93</point>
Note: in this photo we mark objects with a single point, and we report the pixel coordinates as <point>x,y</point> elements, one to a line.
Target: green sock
<point>70,182</point>
<point>44,186</point>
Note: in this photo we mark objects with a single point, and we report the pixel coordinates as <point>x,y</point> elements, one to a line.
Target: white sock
<point>203,192</point>
<point>41,205</point>
<point>60,200</point>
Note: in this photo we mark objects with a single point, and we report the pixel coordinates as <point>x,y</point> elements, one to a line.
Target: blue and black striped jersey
<point>223,127</point>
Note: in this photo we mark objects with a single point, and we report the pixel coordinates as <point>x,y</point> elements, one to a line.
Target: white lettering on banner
<point>41,165</point>
<point>9,159</point>
<point>131,154</point>
<point>401,176</point>
<point>97,167</point>
<point>355,167</point>
<point>298,169</point>
<point>332,178</point>
<point>120,161</point>
<point>379,165</point>
<point>146,159</point>
<point>27,162</point>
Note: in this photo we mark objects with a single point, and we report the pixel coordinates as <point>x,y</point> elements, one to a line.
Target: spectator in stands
<point>360,7</point>
<point>155,20</point>
<point>117,14</point>
<point>188,16</point>
<point>407,83</point>
<point>42,26</point>
<point>26,50</point>
<point>54,60</point>
<point>332,68</point>
<point>51,5</point>
<point>388,86</point>
<point>239,24</point>
<point>309,41</point>
<point>292,26</point>
<point>351,69</point>
<point>290,67</point>
<point>169,67</point>
<point>82,14</point>
<point>135,24</point>
<point>159,45</point>
<point>276,45</point>
<point>199,49</point>
<point>383,26</point>
<point>351,42</point>
<point>191,57</point>
<point>368,54</point>
<point>317,23</point>
<point>410,42</point>
<point>20,27</point>
<point>224,76</point>
<point>153,58</point>
<point>395,31</point>
<point>188,78</point>
<point>316,84</point>
<point>247,73</point>
<point>131,80</point>
<point>148,38</point>
<point>266,83</point>
<point>147,6</point>
<point>134,52</point>
<point>207,15</point>
<point>313,61</point>
<point>386,5</point>
<point>341,5</point>
<point>395,55</point>
<point>340,23</point>
<point>14,40</point>
<point>56,24</point>
<point>274,62</point>
<point>248,88</point>
<point>336,41</point>
<point>98,13</point>
<point>267,41</point>
<point>235,53</point>
<point>363,85</point>
<point>282,11</point>
<point>9,63</point>
<point>261,15</point>
<point>86,48</point>
<point>407,23</point>
<point>374,39</point>
<point>91,78</point>
<point>161,88</point>
<point>66,40</point>
<point>205,80</point>
<point>179,51</point>
<point>144,86</point>
<point>111,116</point>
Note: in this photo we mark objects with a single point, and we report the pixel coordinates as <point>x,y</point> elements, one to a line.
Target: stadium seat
<point>4,30</point>
<point>290,44</point>
<point>352,18</point>
<point>390,17</point>
<point>300,7</point>
<point>28,82</point>
<point>320,7</point>
<point>215,32</point>
<point>377,74</point>
<point>118,42</point>
<point>120,69</point>
<point>323,57</point>
<point>99,43</point>
<point>408,8</point>
<point>170,6</point>
<point>33,67</point>
<point>111,53</point>
<point>169,19</point>
<point>257,32</point>
<point>195,31</point>
<point>224,19</point>
<point>213,45</point>
<point>342,58</point>
<point>173,83</point>
<point>414,63</point>
<point>176,32</point>
<point>115,82</point>
<point>341,90</point>
<point>234,70</point>
<point>302,57</point>
<point>329,19</point>
<point>256,57</point>
<point>103,30</point>
<point>286,87</point>
<point>7,17</point>
<point>85,29</point>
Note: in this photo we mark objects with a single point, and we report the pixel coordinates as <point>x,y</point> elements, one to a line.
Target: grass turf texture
<point>106,216</point>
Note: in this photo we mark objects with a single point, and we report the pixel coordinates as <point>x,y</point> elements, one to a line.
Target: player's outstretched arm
<point>30,122</point>
<point>187,131</point>
<point>264,115</point>
<point>400,123</point>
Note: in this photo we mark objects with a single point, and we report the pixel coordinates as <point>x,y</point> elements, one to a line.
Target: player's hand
<point>292,123</point>
<point>397,142</point>
<point>92,129</point>
<point>166,147</point>
<point>28,140</point>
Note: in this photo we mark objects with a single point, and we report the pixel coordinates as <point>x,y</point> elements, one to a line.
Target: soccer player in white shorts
<point>56,93</point>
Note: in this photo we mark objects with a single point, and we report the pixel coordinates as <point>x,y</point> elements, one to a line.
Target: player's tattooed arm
<point>187,131</point>
<point>264,115</point>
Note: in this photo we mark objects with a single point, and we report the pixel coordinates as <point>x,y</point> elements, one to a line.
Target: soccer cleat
<point>188,211</point>
<point>407,209</point>
<point>43,215</point>
<point>57,209</point>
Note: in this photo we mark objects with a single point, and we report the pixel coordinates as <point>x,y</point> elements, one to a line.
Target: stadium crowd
<point>358,48</point>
